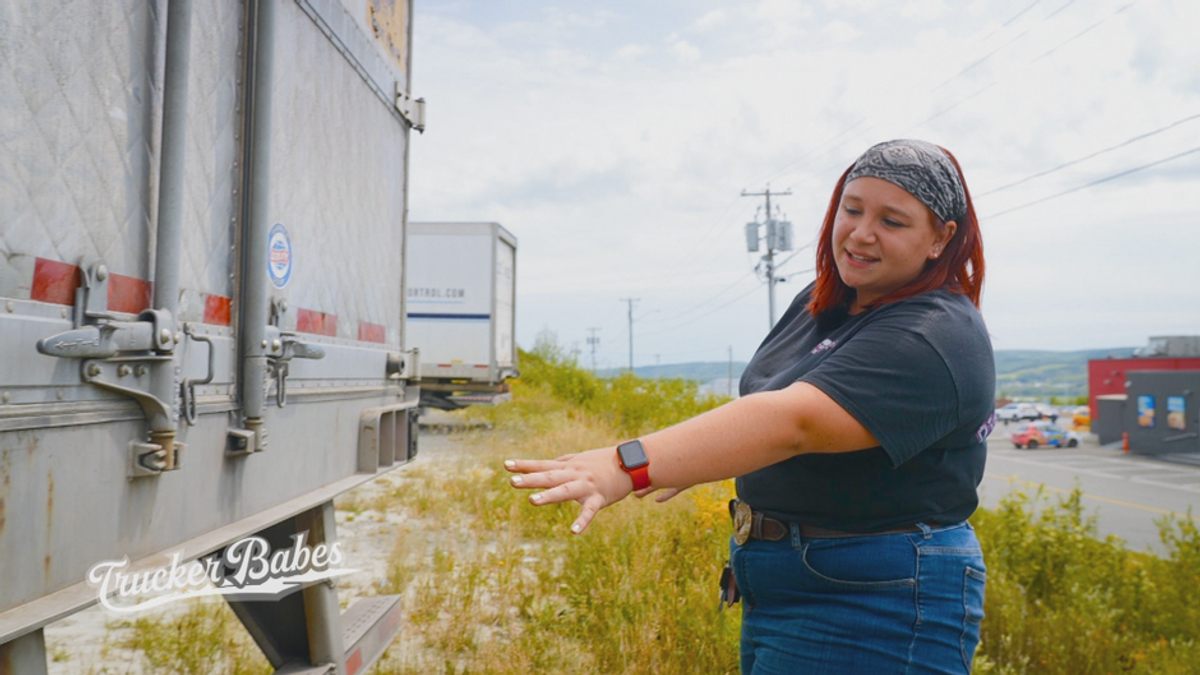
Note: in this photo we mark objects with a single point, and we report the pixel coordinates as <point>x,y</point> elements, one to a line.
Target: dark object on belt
<point>728,594</point>
<point>749,524</point>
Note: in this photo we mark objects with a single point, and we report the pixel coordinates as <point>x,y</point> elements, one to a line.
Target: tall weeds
<point>493,585</point>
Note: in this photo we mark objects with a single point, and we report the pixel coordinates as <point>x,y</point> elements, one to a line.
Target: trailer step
<point>304,669</point>
<point>369,627</point>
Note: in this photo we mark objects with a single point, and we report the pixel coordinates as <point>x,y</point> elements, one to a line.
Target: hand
<point>594,478</point>
<point>663,495</point>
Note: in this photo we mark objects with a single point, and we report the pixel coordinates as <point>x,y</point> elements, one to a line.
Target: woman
<point>858,443</point>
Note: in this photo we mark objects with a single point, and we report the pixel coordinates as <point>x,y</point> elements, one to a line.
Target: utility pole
<point>778,236</point>
<point>593,342</point>
<point>631,301</point>
<point>730,371</point>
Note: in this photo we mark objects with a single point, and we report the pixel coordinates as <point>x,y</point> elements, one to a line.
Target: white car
<point>1015,412</point>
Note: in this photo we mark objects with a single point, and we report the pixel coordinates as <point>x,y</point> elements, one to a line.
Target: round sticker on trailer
<point>279,250</point>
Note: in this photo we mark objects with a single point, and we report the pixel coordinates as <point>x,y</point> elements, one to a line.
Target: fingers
<point>544,479</point>
<point>531,465</point>
<point>667,494</point>
<point>591,506</point>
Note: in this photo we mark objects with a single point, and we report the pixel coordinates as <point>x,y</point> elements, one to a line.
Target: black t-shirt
<point>919,375</point>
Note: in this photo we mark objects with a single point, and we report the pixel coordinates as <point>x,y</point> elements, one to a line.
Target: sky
<point>615,140</point>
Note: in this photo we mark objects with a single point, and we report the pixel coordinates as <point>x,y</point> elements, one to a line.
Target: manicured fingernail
<point>536,498</point>
<point>576,528</point>
<point>510,463</point>
<point>516,480</point>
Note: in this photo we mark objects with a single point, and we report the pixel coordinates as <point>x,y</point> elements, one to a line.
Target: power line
<point>789,276</point>
<point>1095,182</point>
<point>714,309</point>
<point>957,103</point>
<point>1083,32</point>
<point>830,141</point>
<point>704,302</point>
<point>783,262</point>
<point>698,243</point>
<point>1087,157</point>
<point>981,60</point>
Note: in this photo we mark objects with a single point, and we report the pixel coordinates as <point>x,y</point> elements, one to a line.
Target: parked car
<point>1015,412</point>
<point>1036,434</point>
<point>1046,412</point>
<point>1082,417</point>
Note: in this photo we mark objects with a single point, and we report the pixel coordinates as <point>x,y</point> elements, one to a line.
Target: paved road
<point>1127,492</point>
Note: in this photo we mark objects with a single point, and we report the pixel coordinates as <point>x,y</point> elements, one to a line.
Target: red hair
<point>959,269</point>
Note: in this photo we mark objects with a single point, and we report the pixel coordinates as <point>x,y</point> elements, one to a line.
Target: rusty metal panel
<point>337,187</point>
<point>67,504</point>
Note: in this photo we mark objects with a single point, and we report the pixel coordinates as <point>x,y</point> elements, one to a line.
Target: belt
<point>749,524</point>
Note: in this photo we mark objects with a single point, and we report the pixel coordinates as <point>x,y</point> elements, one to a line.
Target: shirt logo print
<point>825,345</point>
<point>985,430</point>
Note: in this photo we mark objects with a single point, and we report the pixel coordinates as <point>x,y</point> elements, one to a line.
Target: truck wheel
<point>1072,443</point>
<point>1017,446</point>
<point>1032,445</point>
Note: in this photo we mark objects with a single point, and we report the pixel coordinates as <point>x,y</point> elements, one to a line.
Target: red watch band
<point>633,460</point>
<point>640,476</point>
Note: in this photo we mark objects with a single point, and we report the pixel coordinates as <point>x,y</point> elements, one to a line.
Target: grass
<point>199,638</point>
<point>636,594</point>
<point>493,585</point>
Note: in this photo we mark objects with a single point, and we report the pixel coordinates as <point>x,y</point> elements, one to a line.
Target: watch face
<point>633,455</point>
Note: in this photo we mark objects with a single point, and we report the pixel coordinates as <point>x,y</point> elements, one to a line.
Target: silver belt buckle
<point>742,521</point>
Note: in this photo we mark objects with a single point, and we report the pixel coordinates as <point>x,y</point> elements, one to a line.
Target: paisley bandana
<point>921,168</point>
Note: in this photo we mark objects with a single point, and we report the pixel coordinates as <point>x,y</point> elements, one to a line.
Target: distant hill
<point>698,371</point>
<point>1019,372</point>
<point>1046,373</point>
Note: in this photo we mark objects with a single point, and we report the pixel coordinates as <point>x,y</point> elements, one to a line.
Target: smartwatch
<point>635,462</point>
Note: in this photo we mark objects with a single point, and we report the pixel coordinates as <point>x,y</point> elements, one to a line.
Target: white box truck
<point>203,212</point>
<point>461,311</point>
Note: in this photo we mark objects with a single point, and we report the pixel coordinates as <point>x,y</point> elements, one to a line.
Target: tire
<point>1072,443</point>
<point>1017,446</point>
<point>1032,445</point>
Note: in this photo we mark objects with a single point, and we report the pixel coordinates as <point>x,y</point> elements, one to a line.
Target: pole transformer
<point>778,238</point>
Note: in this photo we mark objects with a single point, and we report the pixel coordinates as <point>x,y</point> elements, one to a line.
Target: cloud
<point>630,52</point>
<point>839,31</point>
<point>618,156</point>
<point>683,50</point>
<point>710,21</point>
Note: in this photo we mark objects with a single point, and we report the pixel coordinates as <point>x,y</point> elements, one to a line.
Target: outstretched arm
<point>739,437</point>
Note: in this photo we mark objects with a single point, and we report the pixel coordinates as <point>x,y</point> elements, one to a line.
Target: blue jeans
<point>892,603</point>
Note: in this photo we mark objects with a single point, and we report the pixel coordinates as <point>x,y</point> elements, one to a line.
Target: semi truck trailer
<point>462,311</point>
<point>204,212</point>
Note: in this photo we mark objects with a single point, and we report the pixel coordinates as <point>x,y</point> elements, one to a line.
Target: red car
<point>1043,433</point>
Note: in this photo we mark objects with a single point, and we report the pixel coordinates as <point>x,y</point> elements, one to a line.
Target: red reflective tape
<point>371,332</point>
<point>354,662</point>
<point>481,365</point>
<point>445,365</point>
<point>54,281</point>
<point>126,294</point>
<point>317,323</point>
<point>217,310</point>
